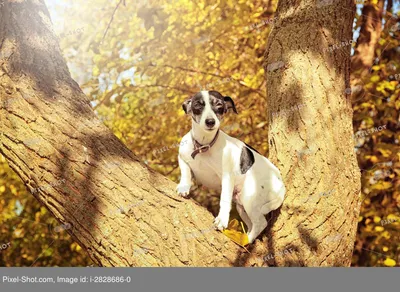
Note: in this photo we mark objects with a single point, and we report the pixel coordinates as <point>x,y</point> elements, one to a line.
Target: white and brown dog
<point>228,165</point>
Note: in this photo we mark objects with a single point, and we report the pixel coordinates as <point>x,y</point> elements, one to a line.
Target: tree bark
<point>370,33</point>
<point>125,214</point>
<point>119,210</point>
<point>311,132</point>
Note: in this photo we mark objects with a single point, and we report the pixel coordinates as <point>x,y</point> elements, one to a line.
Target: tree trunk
<point>311,132</point>
<point>370,33</point>
<point>79,170</point>
<point>125,214</point>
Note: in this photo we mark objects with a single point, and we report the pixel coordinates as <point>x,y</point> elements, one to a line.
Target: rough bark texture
<point>311,132</point>
<point>370,33</point>
<point>52,139</point>
<point>82,173</point>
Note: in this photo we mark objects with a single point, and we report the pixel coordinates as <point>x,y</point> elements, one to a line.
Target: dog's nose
<point>210,123</point>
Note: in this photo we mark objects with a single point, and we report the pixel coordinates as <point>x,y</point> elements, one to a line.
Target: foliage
<point>154,55</point>
<point>377,106</point>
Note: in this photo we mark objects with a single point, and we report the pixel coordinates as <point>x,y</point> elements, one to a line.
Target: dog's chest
<point>207,169</point>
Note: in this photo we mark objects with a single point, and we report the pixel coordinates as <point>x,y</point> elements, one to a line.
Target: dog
<point>228,165</point>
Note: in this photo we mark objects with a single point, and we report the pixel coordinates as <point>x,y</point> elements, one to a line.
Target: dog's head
<point>207,108</point>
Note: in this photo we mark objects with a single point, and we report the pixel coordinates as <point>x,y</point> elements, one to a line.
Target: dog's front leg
<point>185,183</point>
<point>225,203</point>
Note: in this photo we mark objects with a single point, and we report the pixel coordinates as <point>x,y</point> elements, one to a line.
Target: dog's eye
<point>197,111</point>
<point>197,108</point>
<point>198,105</point>
<point>220,110</point>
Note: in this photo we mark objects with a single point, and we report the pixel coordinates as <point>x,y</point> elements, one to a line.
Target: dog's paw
<point>221,222</point>
<point>183,190</point>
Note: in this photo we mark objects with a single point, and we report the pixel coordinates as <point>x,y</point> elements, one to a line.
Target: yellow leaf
<point>377,219</point>
<point>382,185</point>
<point>238,237</point>
<point>96,71</point>
<point>233,225</point>
<point>385,151</point>
<point>374,159</point>
<point>379,228</point>
<point>375,78</point>
<point>390,262</point>
<point>234,233</point>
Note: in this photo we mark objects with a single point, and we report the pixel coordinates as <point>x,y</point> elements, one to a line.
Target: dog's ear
<point>230,104</point>
<point>186,105</point>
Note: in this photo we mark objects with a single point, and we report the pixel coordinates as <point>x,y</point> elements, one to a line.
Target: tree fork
<point>129,215</point>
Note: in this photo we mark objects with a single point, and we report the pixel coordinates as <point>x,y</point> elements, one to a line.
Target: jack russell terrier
<point>227,165</point>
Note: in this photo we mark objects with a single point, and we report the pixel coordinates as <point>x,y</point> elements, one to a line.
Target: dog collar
<point>198,148</point>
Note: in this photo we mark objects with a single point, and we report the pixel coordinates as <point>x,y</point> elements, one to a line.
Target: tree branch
<point>112,18</point>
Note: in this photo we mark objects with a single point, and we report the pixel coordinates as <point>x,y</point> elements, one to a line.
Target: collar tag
<point>204,148</point>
